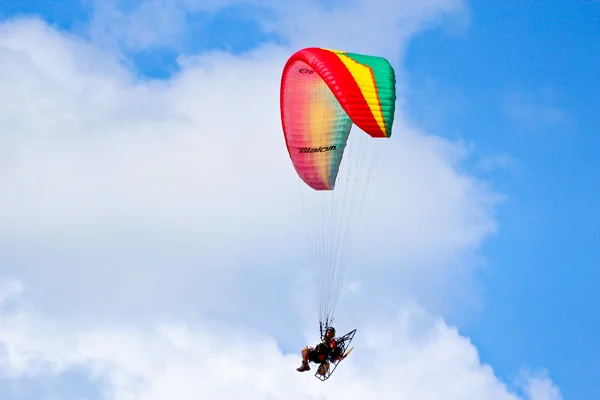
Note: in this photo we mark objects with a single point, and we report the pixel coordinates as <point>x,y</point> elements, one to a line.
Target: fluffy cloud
<point>127,202</point>
<point>385,29</point>
<point>412,356</point>
<point>184,185</point>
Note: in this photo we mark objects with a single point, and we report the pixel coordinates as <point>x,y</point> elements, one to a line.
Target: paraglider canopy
<point>323,92</point>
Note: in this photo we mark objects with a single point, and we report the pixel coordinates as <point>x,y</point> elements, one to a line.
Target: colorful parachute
<point>323,93</point>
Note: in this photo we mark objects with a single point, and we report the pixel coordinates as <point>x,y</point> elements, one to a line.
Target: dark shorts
<point>315,356</point>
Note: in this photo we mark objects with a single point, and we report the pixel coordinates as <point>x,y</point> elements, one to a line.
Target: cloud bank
<point>154,233</point>
<point>413,356</point>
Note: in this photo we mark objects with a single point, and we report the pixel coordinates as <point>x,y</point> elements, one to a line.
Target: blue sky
<point>515,81</point>
<point>541,275</point>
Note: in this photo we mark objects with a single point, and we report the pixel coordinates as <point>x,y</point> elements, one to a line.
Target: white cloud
<point>536,109</point>
<point>537,386</point>
<point>146,184</point>
<point>412,356</point>
<point>382,30</point>
<point>138,26</point>
<point>126,202</point>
